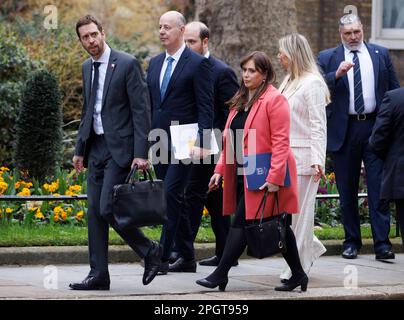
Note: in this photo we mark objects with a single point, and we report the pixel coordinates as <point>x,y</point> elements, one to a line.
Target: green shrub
<point>15,65</point>
<point>39,133</point>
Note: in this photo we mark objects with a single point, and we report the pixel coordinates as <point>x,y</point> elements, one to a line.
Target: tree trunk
<point>239,27</point>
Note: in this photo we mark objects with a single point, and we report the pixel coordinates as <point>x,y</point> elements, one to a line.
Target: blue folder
<point>256,174</point>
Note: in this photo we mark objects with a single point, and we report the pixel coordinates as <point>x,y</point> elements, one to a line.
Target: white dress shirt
<point>104,59</point>
<point>368,80</point>
<point>176,56</point>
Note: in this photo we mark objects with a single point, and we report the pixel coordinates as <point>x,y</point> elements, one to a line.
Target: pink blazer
<point>269,124</point>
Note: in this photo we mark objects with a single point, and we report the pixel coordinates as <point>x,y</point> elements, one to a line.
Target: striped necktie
<point>358,92</point>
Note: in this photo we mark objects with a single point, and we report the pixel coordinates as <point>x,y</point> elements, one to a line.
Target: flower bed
<point>42,212</point>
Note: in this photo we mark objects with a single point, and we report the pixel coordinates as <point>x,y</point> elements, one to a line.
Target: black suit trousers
<point>103,174</point>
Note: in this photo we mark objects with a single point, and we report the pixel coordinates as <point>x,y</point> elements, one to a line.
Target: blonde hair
<point>301,59</point>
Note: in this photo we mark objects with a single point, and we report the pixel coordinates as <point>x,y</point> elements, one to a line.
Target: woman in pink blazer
<point>258,123</point>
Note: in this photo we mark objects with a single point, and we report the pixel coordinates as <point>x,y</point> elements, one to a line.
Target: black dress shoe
<point>164,267</point>
<point>152,263</point>
<point>350,253</point>
<point>90,283</point>
<point>181,265</point>
<point>291,284</point>
<point>222,283</point>
<point>213,262</point>
<point>385,255</point>
<point>174,256</point>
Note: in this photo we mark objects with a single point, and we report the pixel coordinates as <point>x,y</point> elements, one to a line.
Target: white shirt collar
<point>105,56</point>
<point>207,55</point>
<point>176,56</point>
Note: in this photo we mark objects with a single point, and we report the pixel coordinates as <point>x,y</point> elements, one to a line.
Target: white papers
<point>183,138</point>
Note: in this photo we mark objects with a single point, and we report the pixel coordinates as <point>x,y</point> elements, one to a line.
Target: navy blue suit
<point>188,99</point>
<point>347,140</point>
<point>225,87</point>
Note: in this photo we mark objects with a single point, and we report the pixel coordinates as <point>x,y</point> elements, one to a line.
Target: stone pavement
<point>330,278</point>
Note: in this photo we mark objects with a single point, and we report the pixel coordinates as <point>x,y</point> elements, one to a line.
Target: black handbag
<point>139,203</point>
<point>266,238</point>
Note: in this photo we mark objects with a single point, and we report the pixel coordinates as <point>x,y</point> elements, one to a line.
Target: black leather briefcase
<point>139,203</point>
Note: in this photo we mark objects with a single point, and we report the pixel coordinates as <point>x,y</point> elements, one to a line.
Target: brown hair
<point>264,66</point>
<point>83,21</point>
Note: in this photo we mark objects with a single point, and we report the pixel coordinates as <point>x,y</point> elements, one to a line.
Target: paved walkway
<point>331,278</point>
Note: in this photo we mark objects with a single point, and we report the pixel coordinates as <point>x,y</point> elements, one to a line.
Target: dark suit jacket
<point>125,110</point>
<point>225,87</point>
<point>189,95</point>
<point>387,142</point>
<point>337,111</point>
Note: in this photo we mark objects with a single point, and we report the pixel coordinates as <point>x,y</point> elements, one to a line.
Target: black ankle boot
<point>235,245</point>
<point>222,283</point>
<point>291,256</point>
<point>291,284</point>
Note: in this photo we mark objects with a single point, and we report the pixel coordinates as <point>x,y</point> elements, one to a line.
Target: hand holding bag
<point>139,203</point>
<point>266,238</point>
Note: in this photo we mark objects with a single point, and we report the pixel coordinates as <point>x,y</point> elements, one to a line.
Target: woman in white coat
<point>308,95</point>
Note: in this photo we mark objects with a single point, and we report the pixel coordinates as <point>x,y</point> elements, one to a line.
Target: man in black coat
<point>225,86</point>
<point>181,91</point>
<point>112,138</point>
<point>387,142</point>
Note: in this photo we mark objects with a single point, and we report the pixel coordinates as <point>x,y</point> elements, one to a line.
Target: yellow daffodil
<point>3,187</point>
<point>9,210</point>
<point>205,211</point>
<point>56,218</point>
<point>39,214</point>
<point>80,215</point>
<point>25,192</point>
<point>331,176</point>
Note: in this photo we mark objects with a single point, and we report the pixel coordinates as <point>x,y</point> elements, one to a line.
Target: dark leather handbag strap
<point>147,174</point>
<point>263,203</point>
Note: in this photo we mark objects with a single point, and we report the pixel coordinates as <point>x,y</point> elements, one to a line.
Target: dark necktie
<point>167,76</point>
<point>86,129</point>
<point>94,86</point>
<point>358,92</point>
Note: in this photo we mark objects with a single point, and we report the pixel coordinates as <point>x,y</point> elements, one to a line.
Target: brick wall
<point>318,21</point>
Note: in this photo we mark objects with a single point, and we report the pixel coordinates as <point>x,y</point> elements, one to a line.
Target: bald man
<point>196,197</point>
<point>181,90</point>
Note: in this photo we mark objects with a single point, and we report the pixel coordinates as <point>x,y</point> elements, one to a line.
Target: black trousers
<point>347,164</point>
<point>175,176</point>
<point>195,198</point>
<point>400,216</point>
<point>103,174</point>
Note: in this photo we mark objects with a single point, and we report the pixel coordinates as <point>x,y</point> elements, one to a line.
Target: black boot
<point>234,248</point>
<point>299,277</point>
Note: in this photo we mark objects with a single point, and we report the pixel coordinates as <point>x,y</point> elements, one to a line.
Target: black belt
<point>363,116</point>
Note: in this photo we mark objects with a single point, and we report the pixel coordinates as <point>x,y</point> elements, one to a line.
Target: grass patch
<point>57,235</point>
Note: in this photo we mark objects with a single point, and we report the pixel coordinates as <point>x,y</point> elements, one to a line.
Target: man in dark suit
<point>358,74</point>
<point>181,92</point>
<point>225,86</point>
<point>387,142</point>
<point>112,137</point>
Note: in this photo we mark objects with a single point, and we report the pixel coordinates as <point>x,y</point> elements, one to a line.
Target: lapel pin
<point>112,65</point>
<point>377,51</point>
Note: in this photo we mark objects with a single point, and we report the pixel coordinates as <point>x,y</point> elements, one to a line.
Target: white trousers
<point>310,248</point>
